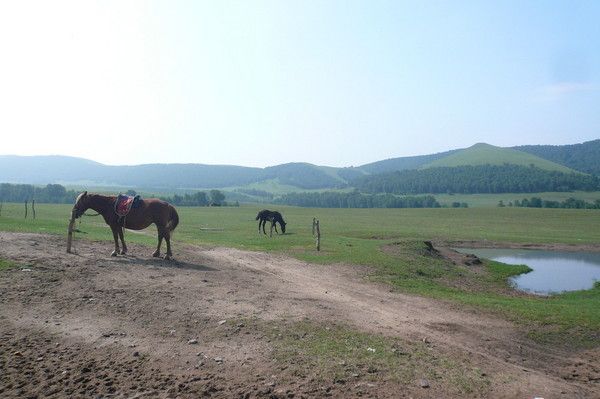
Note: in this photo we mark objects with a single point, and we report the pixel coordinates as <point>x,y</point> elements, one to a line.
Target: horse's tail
<point>173,219</point>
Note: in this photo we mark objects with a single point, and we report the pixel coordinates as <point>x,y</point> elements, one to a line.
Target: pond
<point>553,271</point>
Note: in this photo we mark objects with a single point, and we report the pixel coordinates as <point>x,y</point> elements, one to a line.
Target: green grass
<point>357,236</point>
<point>336,353</point>
<point>482,154</point>
<point>6,264</point>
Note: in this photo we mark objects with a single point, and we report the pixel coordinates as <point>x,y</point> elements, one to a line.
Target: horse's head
<point>81,205</point>
<point>282,224</point>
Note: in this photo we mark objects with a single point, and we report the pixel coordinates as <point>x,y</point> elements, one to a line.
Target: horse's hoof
<point>113,253</point>
<point>156,254</point>
<point>122,252</point>
<point>168,257</point>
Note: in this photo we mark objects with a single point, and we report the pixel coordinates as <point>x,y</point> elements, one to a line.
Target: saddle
<point>124,203</point>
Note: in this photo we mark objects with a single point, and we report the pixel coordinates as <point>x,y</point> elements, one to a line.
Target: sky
<point>259,83</point>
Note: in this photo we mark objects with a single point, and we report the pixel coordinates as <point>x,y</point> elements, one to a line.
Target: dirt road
<point>88,325</point>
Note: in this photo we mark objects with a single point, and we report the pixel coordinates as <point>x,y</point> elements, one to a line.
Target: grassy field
<point>358,236</point>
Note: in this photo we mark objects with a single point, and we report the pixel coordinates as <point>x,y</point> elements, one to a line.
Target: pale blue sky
<point>259,83</point>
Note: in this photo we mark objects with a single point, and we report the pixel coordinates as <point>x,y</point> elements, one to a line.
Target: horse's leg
<point>156,253</point>
<point>115,231</point>
<point>275,224</point>
<point>264,222</point>
<point>124,250</point>
<point>271,232</point>
<point>259,223</point>
<point>167,236</point>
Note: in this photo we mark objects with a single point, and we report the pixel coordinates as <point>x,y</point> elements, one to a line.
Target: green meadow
<point>390,241</point>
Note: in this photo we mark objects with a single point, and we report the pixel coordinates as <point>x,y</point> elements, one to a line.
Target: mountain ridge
<point>69,170</point>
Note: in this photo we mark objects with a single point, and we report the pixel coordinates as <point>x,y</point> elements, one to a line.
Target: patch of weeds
<point>339,354</point>
<point>493,277</point>
<point>7,264</point>
<point>413,259</point>
<point>417,266</point>
<point>499,272</point>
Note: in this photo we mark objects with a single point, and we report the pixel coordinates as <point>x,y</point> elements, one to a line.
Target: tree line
<point>536,202</point>
<point>51,193</point>
<point>478,179</point>
<point>199,198</point>
<point>58,194</point>
<point>332,199</point>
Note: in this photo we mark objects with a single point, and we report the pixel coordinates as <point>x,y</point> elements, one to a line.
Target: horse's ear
<point>84,193</point>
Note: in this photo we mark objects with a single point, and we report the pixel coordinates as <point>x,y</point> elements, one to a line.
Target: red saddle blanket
<point>123,204</point>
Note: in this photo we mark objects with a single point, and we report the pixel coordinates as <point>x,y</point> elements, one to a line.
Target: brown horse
<point>151,210</point>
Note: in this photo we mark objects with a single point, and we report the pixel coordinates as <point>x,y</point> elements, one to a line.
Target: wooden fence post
<point>70,234</point>
<point>33,207</point>
<point>318,236</point>
<point>313,227</point>
<point>25,209</point>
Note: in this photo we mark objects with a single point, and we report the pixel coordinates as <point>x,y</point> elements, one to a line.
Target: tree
<point>216,197</point>
<point>199,199</point>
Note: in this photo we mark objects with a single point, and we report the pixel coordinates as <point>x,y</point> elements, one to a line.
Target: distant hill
<point>77,171</point>
<point>70,170</point>
<point>303,175</point>
<point>486,154</point>
<point>288,177</point>
<point>404,163</point>
<point>584,157</point>
<point>476,179</point>
<point>45,169</point>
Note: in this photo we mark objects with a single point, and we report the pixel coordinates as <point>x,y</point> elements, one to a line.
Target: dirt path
<point>88,325</point>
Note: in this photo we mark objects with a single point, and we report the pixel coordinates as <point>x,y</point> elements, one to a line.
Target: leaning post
<point>25,209</point>
<point>70,233</point>
<point>313,227</point>
<point>33,207</point>
<point>318,236</point>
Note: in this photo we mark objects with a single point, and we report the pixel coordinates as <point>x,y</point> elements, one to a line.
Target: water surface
<point>553,271</point>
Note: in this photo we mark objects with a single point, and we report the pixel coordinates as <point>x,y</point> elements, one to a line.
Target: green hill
<point>303,175</point>
<point>288,177</point>
<point>486,154</point>
<point>403,163</point>
<point>584,157</point>
<point>476,179</point>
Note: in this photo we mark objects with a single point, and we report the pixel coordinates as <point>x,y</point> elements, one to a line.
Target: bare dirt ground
<point>88,325</point>
<point>502,245</point>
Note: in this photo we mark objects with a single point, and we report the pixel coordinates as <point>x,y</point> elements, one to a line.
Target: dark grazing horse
<point>151,210</point>
<point>273,217</point>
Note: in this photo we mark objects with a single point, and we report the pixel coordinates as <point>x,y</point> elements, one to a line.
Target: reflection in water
<point>552,271</point>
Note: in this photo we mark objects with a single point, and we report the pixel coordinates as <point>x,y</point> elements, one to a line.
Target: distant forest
<point>332,199</point>
<point>569,203</point>
<point>57,194</point>
<point>52,193</point>
<point>199,198</point>
<point>476,179</point>
<point>584,157</point>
